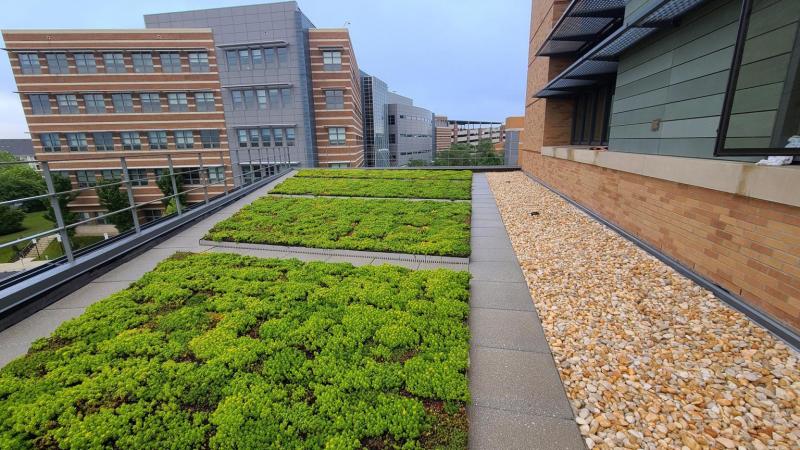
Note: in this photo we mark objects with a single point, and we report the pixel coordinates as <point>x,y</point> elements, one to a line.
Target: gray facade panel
<point>411,134</point>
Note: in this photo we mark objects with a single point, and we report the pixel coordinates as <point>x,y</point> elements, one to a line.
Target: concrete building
<point>375,97</point>
<point>473,131</point>
<point>397,99</point>
<point>443,133</point>
<point>265,76</point>
<point>686,95</point>
<point>142,94</point>
<point>410,134</point>
<point>336,91</point>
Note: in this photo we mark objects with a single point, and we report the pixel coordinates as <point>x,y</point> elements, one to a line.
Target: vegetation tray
<point>397,174</point>
<point>423,227</point>
<point>387,188</point>
<point>229,351</point>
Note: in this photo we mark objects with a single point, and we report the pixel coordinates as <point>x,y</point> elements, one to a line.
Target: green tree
<point>10,219</point>
<point>112,198</point>
<point>61,183</point>
<point>165,184</point>
<point>20,181</point>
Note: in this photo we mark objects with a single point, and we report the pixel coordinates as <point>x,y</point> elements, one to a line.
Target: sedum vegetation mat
<point>397,174</point>
<point>399,226</point>
<point>225,351</point>
<point>353,187</point>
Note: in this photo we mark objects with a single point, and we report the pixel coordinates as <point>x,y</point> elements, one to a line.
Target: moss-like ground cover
<point>233,352</point>
<point>423,227</point>
<point>398,174</point>
<point>353,187</point>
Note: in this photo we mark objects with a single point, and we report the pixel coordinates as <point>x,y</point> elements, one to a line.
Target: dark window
<point>290,137</point>
<point>103,141</point>
<point>274,98</point>
<point>40,103</point>
<point>114,62</point>
<point>157,140</point>
<point>266,137</point>
<point>336,136</point>
<point>57,63</point>
<point>253,135</point>
<point>51,142</point>
<point>204,101</point>
<point>392,138</point>
<point>85,63</point>
<point>590,117</point>
<point>334,99</point>
<point>215,175</point>
<point>191,175</point>
<point>278,135</point>
<point>142,62</point>
<point>138,177</point>
<point>95,103</point>
<point>178,102</point>
<point>184,139</point>
<point>67,104</point>
<point>332,60</point>
<point>130,140</point>
<point>170,62</point>
<point>111,175</point>
<point>198,62</point>
<point>209,138</point>
<point>391,119</point>
<point>29,63</point>
<point>86,178</point>
<point>123,103</point>
<point>151,102</point>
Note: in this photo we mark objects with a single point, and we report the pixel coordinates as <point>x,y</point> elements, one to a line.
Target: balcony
<point>577,336</point>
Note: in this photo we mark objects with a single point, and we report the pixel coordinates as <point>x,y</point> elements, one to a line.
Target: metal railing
<point>197,166</point>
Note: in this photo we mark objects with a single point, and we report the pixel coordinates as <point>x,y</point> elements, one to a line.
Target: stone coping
<point>339,252</point>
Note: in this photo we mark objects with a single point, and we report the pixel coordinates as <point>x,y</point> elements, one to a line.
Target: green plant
<point>420,227</point>
<point>226,351</point>
<point>20,181</point>
<point>11,219</point>
<point>383,174</point>
<point>63,186</point>
<point>165,185</point>
<point>390,188</point>
<point>112,197</point>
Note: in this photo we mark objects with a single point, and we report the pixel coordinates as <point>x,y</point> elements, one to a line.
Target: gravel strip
<point>648,358</point>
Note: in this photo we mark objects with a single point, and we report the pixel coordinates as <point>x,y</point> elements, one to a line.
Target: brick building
<point>652,114</point>
<point>93,96</point>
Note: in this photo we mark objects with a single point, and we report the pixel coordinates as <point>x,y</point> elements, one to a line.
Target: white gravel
<point>648,358</point>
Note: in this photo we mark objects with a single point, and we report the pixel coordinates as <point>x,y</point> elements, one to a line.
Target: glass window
<point>209,138</point>
<point>184,139</point>
<point>238,99</point>
<point>170,62</point>
<point>95,103</point>
<point>242,137</point>
<point>336,136</point>
<point>198,61</point>
<point>204,101</point>
<point>278,135</point>
<point>103,141</point>
<point>258,58</point>
<point>151,102</point>
<point>29,63</point>
<point>269,56</point>
<point>392,139</point>
<point>114,62</point>
<point>283,55</point>
<point>57,63</point>
<point>215,175</point>
<point>157,140</point>
<point>274,98</point>
<point>51,142</point>
<point>286,97</point>
<point>261,98</point>
<point>40,103</point>
<point>232,56</point>
<point>138,177</point>
<point>290,137</point>
<point>111,175</point>
<point>86,178</point>
<point>254,135</point>
<point>266,137</point>
<point>131,140</point>
<point>123,103</point>
<point>142,62</point>
<point>391,119</point>
<point>178,102</point>
<point>67,104</point>
<point>244,59</point>
<point>332,60</point>
<point>334,99</point>
<point>249,99</point>
<point>85,62</point>
<point>191,175</point>
<point>76,142</point>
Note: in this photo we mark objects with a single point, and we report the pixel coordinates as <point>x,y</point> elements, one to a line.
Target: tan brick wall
<point>750,247</point>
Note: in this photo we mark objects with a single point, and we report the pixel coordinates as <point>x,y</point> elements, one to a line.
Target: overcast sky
<point>462,58</point>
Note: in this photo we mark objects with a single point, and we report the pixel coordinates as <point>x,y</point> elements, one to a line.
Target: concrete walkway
<point>518,401</point>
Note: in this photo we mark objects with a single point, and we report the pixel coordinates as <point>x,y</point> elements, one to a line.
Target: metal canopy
<point>583,23</point>
<point>601,60</point>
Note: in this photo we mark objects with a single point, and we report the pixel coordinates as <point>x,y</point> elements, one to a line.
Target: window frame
<point>171,62</point>
<point>134,139</point>
<point>69,105</point>
<point>149,106</point>
<point>51,142</point>
<point>90,103</point>
<point>86,178</point>
<point>329,60</point>
<point>138,177</point>
<point>210,139</point>
<point>162,141</point>
<point>181,103</point>
<point>62,64</point>
<point>101,145</point>
<point>38,108</point>
<point>334,94</point>
<point>85,62</point>
<point>198,62</point>
<point>184,139</point>
<point>144,62</point>
<point>207,100</point>
<point>340,139</point>
<point>32,65</point>
<point>118,65</point>
<point>126,101</point>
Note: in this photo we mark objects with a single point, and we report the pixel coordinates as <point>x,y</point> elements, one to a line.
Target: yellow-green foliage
<point>400,226</point>
<point>233,352</point>
<point>398,174</point>
<point>352,187</point>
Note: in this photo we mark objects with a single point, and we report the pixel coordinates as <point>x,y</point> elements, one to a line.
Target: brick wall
<point>750,247</point>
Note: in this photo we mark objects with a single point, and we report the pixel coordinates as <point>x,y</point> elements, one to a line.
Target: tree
<point>10,219</point>
<point>112,198</point>
<point>165,184</point>
<point>20,181</point>
<point>61,183</point>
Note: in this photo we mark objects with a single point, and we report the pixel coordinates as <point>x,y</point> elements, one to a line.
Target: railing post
<point>250,166</point>
<point>224,177</point>
<point>129,188</point>
<point>269,162</point>
<point>203,175</point>
<point>53,196</point>
<point>261,164</point>
<point>174,186</point>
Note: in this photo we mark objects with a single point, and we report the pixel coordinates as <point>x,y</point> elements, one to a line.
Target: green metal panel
<point>644,115</point>
<point>646,84</point>
<point>656,97</point>
<point>754,124</point>
<point>698,87</point>
<point>772,70</point>
<point>773,43</point>
<point>636,131</point>
<point>690,128</point>
<point>634,145</point>
<point>655,65</point>
<point>706,106</point>
<point>759,98</point>
<point>711,63</point>
<point>687,147</point>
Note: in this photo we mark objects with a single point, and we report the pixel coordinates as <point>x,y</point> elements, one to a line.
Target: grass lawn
<point>399,174</point>
<point>427,228</point>
<point>228,351</point>
<point>34,223</point>
<point>55,250</point>
<point>433,189</point>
